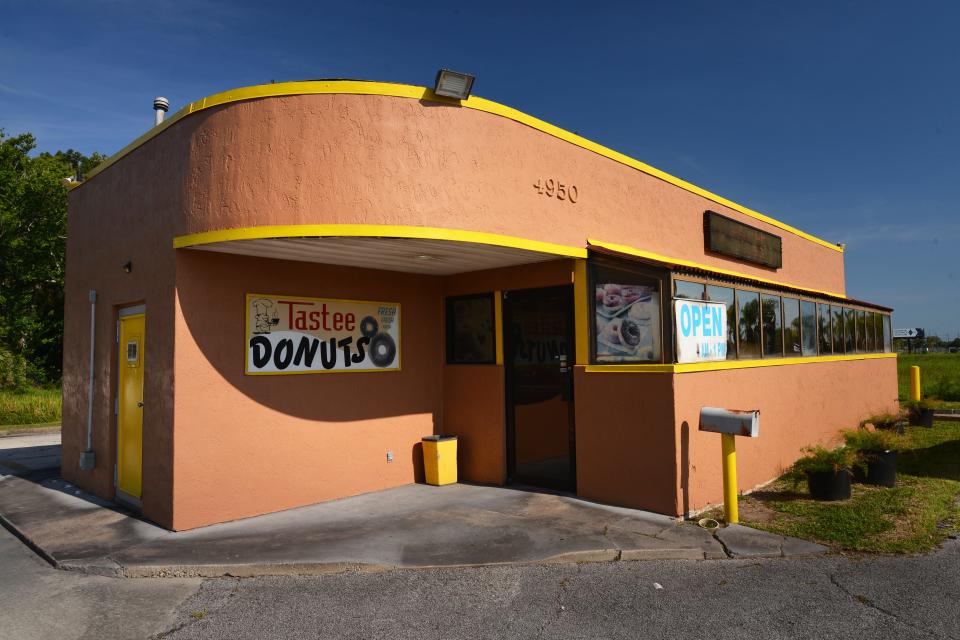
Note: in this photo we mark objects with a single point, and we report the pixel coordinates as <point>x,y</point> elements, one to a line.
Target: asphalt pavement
<point>826,597</point>
<point>38,601</point>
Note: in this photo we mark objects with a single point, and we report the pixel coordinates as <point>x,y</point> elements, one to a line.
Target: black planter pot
<point>829,485</point>
<point>922,418</point>
<point>881,469</point>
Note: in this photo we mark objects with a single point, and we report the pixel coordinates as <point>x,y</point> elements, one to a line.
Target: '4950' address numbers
<point>556,189</point>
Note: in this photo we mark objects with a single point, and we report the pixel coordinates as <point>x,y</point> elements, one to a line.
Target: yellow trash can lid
<point>439,438</point>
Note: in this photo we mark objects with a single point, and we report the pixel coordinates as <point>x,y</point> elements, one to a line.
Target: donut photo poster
<point>628,326</point>
<point>295,334</point>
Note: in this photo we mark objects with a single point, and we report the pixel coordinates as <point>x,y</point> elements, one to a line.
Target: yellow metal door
<point>130,414</point>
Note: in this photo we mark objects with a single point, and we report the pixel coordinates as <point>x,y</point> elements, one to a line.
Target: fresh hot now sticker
<point>287,334</point>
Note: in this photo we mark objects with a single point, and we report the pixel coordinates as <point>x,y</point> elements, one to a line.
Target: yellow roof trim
<point>358,87</point>
<point>640,253</point>
<point>375,231</point>
<point>698,367</point>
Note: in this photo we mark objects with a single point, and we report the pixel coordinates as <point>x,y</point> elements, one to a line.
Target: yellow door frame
<point>131,341</point>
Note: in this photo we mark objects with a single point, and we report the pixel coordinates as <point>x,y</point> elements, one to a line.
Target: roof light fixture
<point>453,84</point>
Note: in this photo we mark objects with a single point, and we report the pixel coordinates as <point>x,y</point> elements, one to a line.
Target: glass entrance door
<point>538,336</point>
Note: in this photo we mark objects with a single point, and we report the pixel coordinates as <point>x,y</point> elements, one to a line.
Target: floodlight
<point>453,84</point>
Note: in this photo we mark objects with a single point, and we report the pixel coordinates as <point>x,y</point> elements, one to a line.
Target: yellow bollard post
<point>729,444</point>
<point>915,384</point>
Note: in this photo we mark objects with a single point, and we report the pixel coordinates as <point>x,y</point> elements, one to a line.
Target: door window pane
<point>627,316</point>
<point>808,325</point>
<point>826,335</point>
<point>471,338</point>
<point>725,295</point>
<point>686,289</point>
<point>791,326</point>
<point>839,330</point>
<point>850,322</point>
<point>748,307</point>
<point>772,326</point>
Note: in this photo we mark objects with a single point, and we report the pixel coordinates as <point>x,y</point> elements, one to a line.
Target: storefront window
<point>850,322</point>
<point>748,308</point>
<point>471,338</point>
<point>808,322</point>
<point>725,295</point>
<point>686,289</point>
<point>772,327</point>
<point>627,316</point>
<point>861,331</point>
<point>887,344</point>
<point>878,332</point>
<point>839,330</point>
<point>826,335</point>
<point>869,332</point>
<point>791,326</point>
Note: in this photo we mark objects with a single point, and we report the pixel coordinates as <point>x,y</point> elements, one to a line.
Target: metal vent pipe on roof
<point>160,107</point>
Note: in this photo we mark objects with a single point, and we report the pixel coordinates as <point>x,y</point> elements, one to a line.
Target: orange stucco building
<point>428,265</point>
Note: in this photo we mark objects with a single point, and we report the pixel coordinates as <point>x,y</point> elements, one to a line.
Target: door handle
<point>140,405</point>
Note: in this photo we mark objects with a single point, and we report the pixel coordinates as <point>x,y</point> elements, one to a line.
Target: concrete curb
<point>109,568</point>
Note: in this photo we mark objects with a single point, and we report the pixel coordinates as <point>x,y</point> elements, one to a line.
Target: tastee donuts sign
<point>292,334</point>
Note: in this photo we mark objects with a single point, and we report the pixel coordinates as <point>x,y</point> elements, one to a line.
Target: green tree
<point>33,222</point>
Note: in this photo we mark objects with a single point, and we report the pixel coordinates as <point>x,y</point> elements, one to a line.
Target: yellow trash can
<point>440,459</point>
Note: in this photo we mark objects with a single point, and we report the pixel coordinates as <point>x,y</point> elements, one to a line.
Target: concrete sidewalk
<point>408,527</point>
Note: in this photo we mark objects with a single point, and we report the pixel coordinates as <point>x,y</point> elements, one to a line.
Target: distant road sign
<point>908,333</point>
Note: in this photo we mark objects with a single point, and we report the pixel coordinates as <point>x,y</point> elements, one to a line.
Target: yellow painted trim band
<point>375,231</point>
<point>581,313</point>
<point>357,87</point>
<point>729,364</point>
<point>498,324</point>
<point>640,253</point>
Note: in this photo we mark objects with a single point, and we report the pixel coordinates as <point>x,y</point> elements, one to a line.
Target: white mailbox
<point>730,421</point>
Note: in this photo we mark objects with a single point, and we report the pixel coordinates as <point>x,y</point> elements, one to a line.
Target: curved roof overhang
<point>355,87</point>
<point>423,250</point>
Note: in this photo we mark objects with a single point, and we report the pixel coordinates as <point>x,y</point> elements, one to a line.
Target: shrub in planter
<point>877,452</point>
<point>921,411</point>
<point>828,471</point>
<point>887,421</point>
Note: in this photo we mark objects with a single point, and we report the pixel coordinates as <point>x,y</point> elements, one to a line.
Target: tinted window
<point>839,330</point>
<point>887,345</point>
<point>685,289</point>
<point>748,306</point>
<point>861,331</point>
<point>850,323</point>
<point>725,295</point>
<point>470,330</point>
<point>791,326</point>
<point>772,326</point>
<point>808,325</point>
<point>826,335</point>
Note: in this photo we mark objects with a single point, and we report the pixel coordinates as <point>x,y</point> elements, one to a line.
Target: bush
<point>862,440</point>
<point>883,420</point>
<point>820,458</point>
<point>13,370</point>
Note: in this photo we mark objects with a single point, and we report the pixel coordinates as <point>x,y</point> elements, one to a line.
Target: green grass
<point>915,516</point>
<point>30,406</point>
<point>939,375</point>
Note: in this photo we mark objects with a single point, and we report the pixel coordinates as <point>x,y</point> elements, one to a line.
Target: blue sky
<point>840,118</point>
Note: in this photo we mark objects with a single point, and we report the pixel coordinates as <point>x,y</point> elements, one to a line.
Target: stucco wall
<point>127,216</point>
<point>799,405</point>
<point>247,445</point>
<point>626,451</point>
<point>387,160</point>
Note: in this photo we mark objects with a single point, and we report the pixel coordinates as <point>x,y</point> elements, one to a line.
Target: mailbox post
<point>730,423</point>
